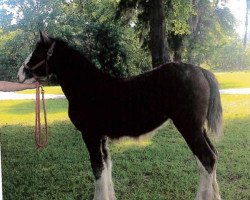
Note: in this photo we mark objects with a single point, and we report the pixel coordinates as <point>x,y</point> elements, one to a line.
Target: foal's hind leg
<point>208,186</point>
<point>108,163</point>
<point>206,160</point>
<point>214,184</point>
<point>94,146</point>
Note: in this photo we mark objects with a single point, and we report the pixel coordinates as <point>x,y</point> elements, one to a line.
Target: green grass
<point>47,89</point>
<point>238,79</point>
<point>158,168</point>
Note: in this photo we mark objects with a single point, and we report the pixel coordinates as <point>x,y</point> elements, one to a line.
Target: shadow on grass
<point>28,107</point>
<point>163,169</point>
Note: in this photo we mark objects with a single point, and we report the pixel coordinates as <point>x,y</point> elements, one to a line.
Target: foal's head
<point>36,66</point>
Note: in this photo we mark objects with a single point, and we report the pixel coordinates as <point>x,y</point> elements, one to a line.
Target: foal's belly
<point>135,127</point>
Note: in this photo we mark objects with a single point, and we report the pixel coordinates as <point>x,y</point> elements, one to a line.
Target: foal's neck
<point>73,70</point>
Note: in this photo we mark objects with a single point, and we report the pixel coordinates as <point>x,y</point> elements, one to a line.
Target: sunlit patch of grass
<point>47,89</point>
<point>235,106</point>
<point>128,143</point>
<point>15,112</point>
<point>238,79</point>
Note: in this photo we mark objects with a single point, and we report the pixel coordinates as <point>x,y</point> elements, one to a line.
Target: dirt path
<point>236,91</point>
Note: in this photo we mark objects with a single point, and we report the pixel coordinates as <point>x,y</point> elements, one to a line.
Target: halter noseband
<point>49,54</point>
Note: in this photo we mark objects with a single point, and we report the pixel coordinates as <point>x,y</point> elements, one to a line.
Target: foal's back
<point>141,103</point>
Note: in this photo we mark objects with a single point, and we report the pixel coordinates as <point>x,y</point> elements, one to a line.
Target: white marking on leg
<point>205,191</point>
<point>216,186</point>
<point>110,182</point>
<point>101,186</point>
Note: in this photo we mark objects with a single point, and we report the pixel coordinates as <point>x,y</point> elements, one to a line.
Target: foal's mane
<point>79,61</point>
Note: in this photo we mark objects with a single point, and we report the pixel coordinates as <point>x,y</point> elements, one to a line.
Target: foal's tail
<point>214,114</point>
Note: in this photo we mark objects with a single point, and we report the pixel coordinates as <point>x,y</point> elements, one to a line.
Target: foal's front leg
<point>108,163</point>
<point>94,146</point>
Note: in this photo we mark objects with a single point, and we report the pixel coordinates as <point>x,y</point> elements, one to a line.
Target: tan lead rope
<point>41,139</point>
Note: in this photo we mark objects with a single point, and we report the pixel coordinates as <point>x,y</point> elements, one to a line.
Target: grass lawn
<point>47,89</point>
<point>239,79</point>
<point>158,168</point>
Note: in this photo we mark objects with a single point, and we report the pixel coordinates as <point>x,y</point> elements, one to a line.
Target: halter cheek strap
<point>34,67</point>
<point>51,50</point>
<point>49,54</point>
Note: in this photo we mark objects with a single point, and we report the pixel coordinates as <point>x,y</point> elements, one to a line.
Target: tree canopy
<point>115,35</point>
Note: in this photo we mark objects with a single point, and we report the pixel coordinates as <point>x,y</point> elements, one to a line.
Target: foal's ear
<point>44,38</point>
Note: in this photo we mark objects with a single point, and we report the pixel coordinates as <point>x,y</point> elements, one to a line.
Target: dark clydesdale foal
<point>102,106</point>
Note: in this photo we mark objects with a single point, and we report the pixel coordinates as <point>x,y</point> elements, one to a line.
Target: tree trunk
<point>246,28</point>
<point>194,25</point>
<point>194,19</point>
<point>175,43</point>
<point>157,33</point>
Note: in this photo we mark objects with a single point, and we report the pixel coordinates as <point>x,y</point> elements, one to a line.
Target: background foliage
<point>119,45</point>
